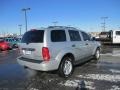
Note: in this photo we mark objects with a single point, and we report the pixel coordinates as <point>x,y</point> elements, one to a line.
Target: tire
<point>97,54</point>
<point>66,67</point>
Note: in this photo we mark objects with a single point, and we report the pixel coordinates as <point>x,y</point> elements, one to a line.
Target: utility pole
<point>55,23</point>
<point>104,23</point>
<point>25,10</point>
<point>20,28</point>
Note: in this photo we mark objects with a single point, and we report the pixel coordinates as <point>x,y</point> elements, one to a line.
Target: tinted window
<point>35,36</point>
<point>6,40</point>
<point>74,35</point>
<point>58,35</point>
<point>85,36</point>
<point>117,32</point>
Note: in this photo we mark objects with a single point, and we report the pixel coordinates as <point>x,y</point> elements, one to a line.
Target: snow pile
<point>106,77</point>
<point>75,83</point>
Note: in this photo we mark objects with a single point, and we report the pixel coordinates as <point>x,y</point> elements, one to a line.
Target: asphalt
<point>103,74</point>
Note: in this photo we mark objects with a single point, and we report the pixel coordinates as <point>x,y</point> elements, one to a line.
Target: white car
<point>57,48</point>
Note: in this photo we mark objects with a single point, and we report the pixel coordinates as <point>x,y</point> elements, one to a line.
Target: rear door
<point>32,43</point>
<point>77,44</point>
<point>88,44</point>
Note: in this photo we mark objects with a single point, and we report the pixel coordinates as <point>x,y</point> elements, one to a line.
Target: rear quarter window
<point>35,36</point>
<point>58,36</point>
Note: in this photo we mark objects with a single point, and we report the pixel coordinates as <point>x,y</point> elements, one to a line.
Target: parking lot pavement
<point>103,74</point>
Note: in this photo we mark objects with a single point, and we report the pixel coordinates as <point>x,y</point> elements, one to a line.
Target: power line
<point>104,23</point>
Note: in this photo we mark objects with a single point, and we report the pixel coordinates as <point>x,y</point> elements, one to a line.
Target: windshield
<point>35,36</point>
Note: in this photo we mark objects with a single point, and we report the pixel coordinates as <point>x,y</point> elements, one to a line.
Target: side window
<point>74,35</point>
<point>117,32</point>
<point>58,35</point>
<point>85,36</point>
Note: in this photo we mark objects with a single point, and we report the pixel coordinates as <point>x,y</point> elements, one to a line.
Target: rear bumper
<point>39,65</point>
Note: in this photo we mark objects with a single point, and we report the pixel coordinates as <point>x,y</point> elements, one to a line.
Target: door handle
<point>73,45</point>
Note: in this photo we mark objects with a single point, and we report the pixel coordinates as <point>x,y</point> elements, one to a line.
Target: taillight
<point>45,54</point>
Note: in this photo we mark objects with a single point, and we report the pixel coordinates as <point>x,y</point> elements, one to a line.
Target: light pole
<point>20,28</point>
<point>104,22</point>
<point>25,10</point>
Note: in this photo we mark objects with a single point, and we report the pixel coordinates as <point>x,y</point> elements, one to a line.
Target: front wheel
<point>66,67</point>
<point>97,54</point>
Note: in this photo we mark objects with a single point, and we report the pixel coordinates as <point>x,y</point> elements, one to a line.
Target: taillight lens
<point>45,54</point>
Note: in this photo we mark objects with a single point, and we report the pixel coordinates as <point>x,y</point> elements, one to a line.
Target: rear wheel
<point>97,54</point>
<point>66,67</point>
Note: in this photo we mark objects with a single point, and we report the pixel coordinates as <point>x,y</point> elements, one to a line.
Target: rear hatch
<point>31,44</point>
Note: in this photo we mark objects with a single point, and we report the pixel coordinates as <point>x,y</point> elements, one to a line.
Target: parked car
<point>57,48</point>
<point>4,45</point>
<point>13,42</point>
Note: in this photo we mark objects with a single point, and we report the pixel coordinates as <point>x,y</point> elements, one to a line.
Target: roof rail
<point>61,27</point>
<point>56,26</point>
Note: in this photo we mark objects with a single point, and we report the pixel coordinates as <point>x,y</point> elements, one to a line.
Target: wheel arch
<point>67,55</point>
<point>98,47</point>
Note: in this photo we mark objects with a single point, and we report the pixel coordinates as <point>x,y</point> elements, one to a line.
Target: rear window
<point>35,36</point>
<point>58,36</point>
<point>117,32</point>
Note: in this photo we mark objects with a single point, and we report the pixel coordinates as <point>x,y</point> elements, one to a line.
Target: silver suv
<point>57,48</point>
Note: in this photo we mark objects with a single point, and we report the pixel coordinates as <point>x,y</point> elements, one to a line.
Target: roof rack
<point>60,27</point>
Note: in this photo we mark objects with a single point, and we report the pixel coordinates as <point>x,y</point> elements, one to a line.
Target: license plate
<point>26,52</point>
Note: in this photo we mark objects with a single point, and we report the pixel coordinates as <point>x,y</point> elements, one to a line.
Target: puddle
<point>112,51</point>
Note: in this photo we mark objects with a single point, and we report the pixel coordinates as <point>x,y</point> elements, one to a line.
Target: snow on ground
<point>115,71</point>
<point>114,87</point>
<point>111,54</point>
<point>118,54</point>
<point>75,83</point>
<point>33,89</point>
<point>106,77</point>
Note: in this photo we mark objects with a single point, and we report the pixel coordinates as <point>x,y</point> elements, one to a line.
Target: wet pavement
<point>103,74</point>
